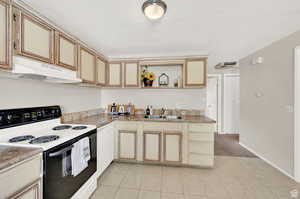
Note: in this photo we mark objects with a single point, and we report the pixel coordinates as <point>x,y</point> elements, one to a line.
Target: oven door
<point>58,181</point>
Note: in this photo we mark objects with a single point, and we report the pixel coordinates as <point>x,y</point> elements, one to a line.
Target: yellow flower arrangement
<point>147,75</point>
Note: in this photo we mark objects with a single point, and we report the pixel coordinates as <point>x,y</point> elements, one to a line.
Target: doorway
<point>297,115</point>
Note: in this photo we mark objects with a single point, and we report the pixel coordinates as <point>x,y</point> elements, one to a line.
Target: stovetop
<point>46,134</point>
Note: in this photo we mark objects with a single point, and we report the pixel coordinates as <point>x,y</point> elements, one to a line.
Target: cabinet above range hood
<point>31,69</point>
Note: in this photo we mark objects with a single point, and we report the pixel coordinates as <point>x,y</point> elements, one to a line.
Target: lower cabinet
<point>172,147</point>
<point>165,143</point>
<point>30,192</point>
<point>152,146</point>
<point>127,144</point>
<point>23,181</point>
<point>105,147</point>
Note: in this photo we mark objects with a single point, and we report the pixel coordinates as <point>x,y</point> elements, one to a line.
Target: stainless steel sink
<point>167,117</point>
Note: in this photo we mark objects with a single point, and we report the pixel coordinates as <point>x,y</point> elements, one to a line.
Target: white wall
<point>266,95</point>
<point>29,93</point>
<point>169,98</point>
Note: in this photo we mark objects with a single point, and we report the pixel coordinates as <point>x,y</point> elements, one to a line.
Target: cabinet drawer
<point>201,127</point>
<point>201,147</point>
<point>152,126</point>
<point>201,160</point>
<point>130,126</point>
<point>199,136</point>
<point>20,176</point>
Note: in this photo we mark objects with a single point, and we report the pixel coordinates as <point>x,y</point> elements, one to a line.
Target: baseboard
<point>267,161</point>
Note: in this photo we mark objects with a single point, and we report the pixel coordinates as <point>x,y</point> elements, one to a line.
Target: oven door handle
<point>58,153</point>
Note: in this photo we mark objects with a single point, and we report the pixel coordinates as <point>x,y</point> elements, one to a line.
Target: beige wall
<point>266,92</point>
<point>28,93</point>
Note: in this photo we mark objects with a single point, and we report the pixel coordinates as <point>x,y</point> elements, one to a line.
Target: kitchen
<point>87,125</point>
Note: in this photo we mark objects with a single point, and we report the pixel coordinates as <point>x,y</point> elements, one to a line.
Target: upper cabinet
<point>87,64</point>
<point>66,51</point>
<point>4,36</point>
<point>131,74</point>
<point>35,38</point>
<point>195,72</point>
<point>115,74</point>
<point>101,71</point>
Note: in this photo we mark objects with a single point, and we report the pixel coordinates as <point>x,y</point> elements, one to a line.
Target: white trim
<point>267,161</point>
<point>297,115</point>
<point>220,101</point>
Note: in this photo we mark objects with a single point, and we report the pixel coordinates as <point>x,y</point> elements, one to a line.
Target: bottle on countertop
<point>147,110</point>
<point>151,110</point>
<point>121,110</point>
<point>129,109</point>
<point>113,108</point>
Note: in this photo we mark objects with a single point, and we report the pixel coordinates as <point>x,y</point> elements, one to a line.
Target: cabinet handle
<point>61,151</point>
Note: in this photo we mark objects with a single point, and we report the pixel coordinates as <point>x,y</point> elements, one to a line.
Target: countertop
<point>103,119</point>
<point>10,155</point>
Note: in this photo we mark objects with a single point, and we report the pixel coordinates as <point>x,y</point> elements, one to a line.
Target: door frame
<point>219,124</point>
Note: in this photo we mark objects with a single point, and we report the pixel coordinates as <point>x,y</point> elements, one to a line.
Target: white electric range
<point>41,127</point>
<point>45,134</point>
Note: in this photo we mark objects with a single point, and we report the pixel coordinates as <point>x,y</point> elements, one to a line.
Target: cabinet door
<point>127,145</point>
<point>87,65</point>
<point>195,72</point>
<point>115,74</point>
<point>105,148</point>
<point>66,52</point>
<point>173,147</point>
<point>33,191</point>
<point>101,71</point>
<point>131,76</point>
<point>4,36</point>
<point>36,39</point>
<point>152,146</point>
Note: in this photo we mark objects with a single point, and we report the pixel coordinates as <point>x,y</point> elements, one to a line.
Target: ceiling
<point>225,30</point>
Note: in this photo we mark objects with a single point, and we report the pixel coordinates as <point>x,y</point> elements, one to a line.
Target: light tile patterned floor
<point>232,178</point>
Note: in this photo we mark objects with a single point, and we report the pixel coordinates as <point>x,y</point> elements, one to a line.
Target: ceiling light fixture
<point>154,9</point>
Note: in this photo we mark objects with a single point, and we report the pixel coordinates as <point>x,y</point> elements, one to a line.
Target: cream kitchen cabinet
<point>87,64</point>
<point>4,35</point>
<point>127,145</point>
<point>23,181</point>
<point>105,145</point>
<point>131,74</point>
<point>65,51</point>
<point>195,72</point>
<point>114,74</point>
<point>101,71</point>
<point>172,147</point>
<point>35,38</point>
<point>152,146</point>
<point>201,145</point>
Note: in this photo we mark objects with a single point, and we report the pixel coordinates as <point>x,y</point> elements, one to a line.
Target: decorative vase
<point>147,82</point>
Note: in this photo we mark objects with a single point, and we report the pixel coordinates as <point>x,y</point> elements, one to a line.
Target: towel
<point>86,149</point>
<point>66,165</point>
<point>80,156</point>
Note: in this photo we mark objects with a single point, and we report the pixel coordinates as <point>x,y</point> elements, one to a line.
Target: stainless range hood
<point>31,69</point>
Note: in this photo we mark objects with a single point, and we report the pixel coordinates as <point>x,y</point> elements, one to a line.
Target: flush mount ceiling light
<point>154,9</point>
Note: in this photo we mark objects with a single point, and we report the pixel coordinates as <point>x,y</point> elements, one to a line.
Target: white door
<point>212,99</point>
<point>231,104</point>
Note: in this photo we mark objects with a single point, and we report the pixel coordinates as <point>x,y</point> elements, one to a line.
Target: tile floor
<point>232,178</point>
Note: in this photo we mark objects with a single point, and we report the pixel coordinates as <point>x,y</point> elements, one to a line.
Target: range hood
<point>31,69</point>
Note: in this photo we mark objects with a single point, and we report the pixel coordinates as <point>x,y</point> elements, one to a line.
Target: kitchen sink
<point>167,117</point>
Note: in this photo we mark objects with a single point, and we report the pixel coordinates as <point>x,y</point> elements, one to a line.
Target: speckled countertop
<point>10,155</point>
<point>103,119</point>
